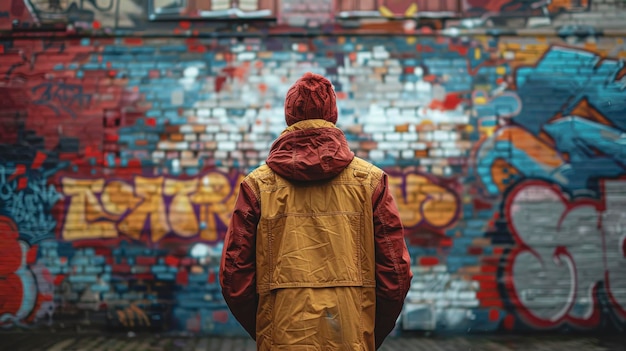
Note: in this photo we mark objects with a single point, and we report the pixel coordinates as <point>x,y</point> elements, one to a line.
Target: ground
<point>17,341</point>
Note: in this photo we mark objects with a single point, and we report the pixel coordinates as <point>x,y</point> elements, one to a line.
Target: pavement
<point>33,341</point>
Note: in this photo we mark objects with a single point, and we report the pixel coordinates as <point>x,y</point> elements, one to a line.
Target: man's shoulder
<point>361,165</point>
<point>368,173</point>
<point>261,172</point>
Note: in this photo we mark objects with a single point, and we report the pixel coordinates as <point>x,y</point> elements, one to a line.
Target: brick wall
<point>120,159</point>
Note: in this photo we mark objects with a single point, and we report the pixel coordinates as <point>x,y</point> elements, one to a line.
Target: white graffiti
<point>567,247</point>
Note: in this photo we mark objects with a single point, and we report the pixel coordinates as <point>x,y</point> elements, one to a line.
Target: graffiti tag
<point>61,97</point>
<point>28,202</point>
<point>565,249</point>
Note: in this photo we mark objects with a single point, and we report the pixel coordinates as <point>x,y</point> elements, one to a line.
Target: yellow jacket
<point>314,258</point>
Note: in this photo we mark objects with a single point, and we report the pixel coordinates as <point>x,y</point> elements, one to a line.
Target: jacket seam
<point>233,261</point>
<point>247,181</point>
<point>314,214</point>
<point>392,253</point>
<point>361,327</point>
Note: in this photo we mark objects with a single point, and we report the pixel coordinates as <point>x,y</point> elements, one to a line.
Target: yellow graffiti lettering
<point>100,209</point>
<point>213,190</point>
<point>118,197</point>
<point>408,206</point>
<point>152,205</point>
<point>420,201</point>
<point>84,213</point>
<point>440,206</point>
<point>181,216</point>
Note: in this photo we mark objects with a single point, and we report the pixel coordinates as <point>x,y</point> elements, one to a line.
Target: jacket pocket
<point>315,250</point>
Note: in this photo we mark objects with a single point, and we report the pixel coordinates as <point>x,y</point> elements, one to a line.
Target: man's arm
<point>238,264</point>
<point>393,267</point>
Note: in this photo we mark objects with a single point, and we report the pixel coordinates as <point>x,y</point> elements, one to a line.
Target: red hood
<point>310,150</point>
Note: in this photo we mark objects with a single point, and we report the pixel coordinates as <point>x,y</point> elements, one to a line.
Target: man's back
<point>316,260</point>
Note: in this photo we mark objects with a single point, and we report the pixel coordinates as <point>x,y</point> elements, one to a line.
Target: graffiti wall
<point>122,15</point>
<point>121,156</point>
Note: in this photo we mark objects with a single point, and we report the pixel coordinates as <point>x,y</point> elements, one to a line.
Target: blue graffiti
<point>593,149</point>
<point>553,87</point>
<point>30,206</point>
<point>586,149</point>
<point>502,106</point>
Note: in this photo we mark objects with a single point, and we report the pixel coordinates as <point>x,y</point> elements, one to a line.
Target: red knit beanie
<point>311,97</point>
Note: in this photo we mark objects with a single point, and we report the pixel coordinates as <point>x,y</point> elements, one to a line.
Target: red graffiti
<point>19,298</point>
<point>10,262</point>
<point>449,103</point>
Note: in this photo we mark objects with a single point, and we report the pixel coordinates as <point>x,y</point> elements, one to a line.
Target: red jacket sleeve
<point>238,263</point>
<point>393,267</point>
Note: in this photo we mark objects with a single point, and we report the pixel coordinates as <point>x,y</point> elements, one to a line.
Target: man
<point>314,257</point>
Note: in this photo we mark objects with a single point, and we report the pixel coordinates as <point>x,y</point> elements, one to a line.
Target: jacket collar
<point>309,124</point>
